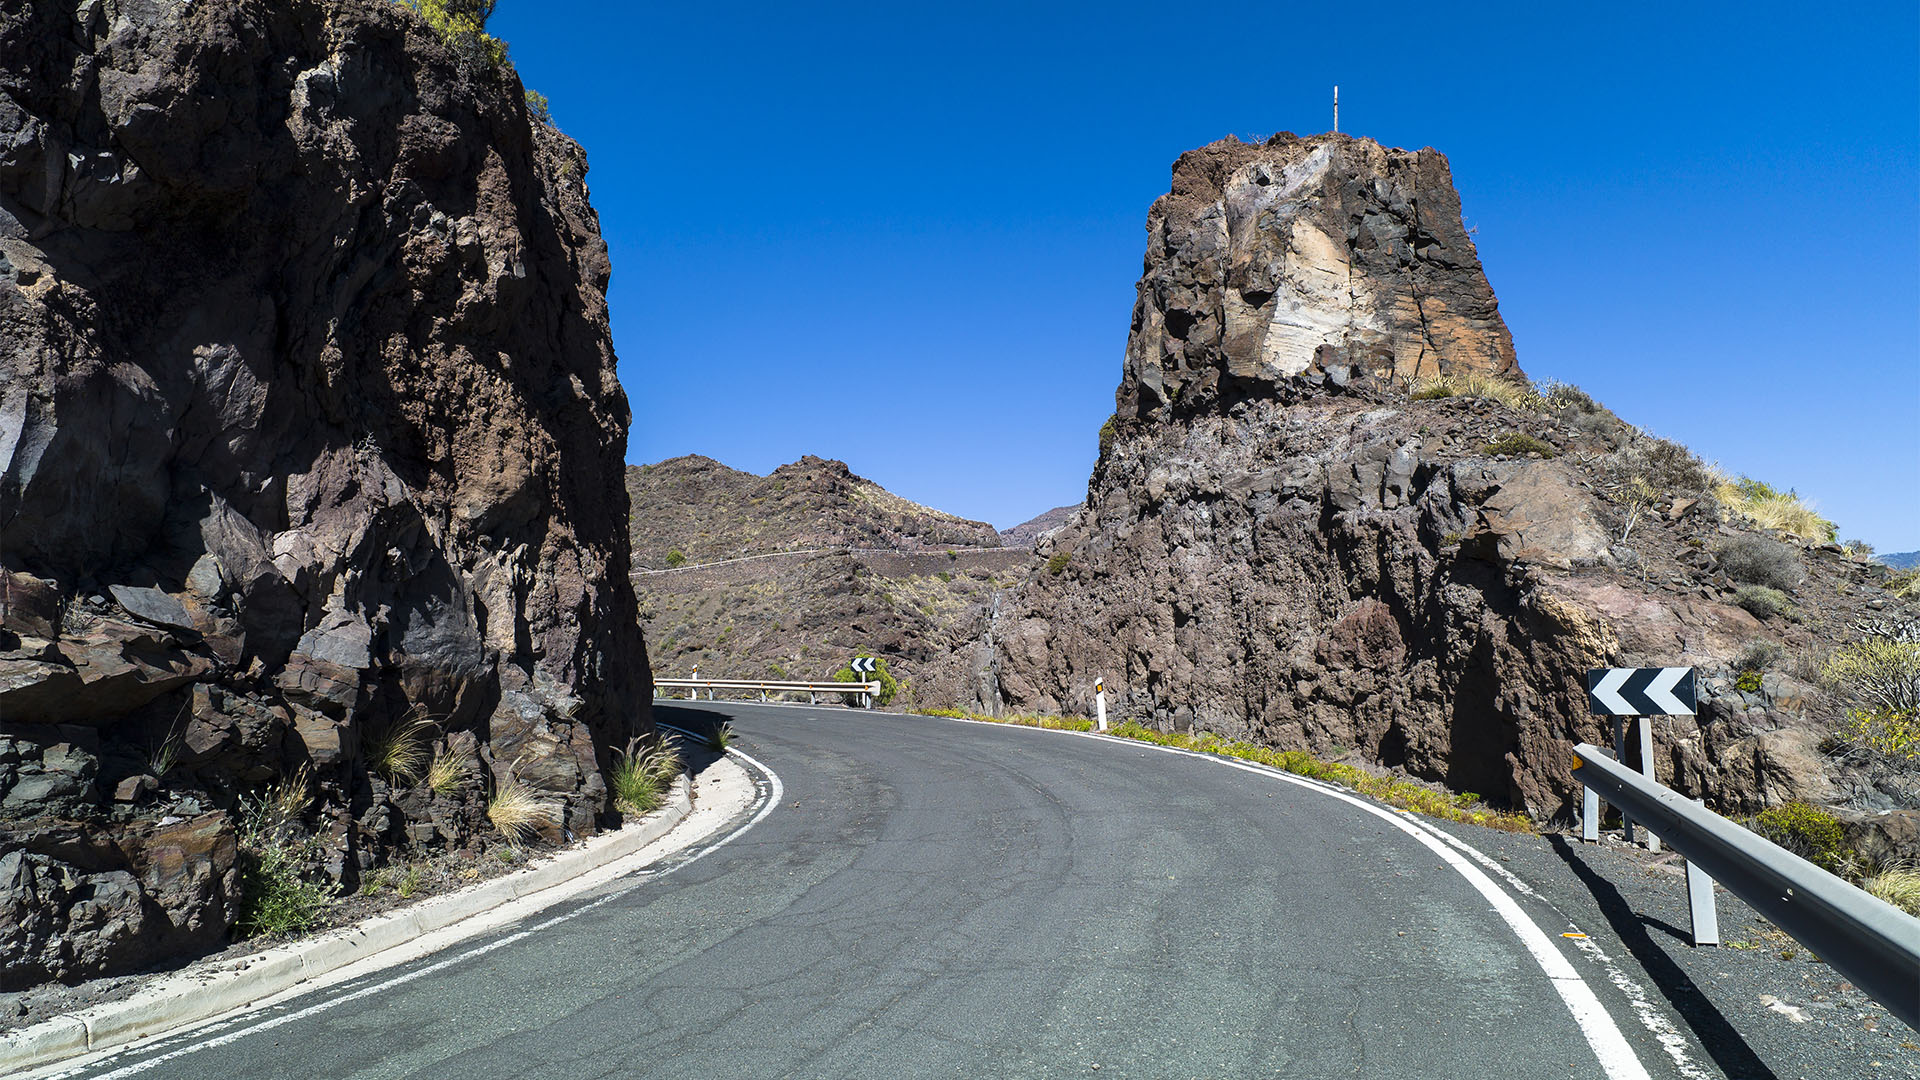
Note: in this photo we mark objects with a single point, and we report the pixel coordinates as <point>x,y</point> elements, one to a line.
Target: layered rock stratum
<point>1295,535</point>
<point>309,427</point>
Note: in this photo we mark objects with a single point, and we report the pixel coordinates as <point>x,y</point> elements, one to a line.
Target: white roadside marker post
<point>1100,701</point>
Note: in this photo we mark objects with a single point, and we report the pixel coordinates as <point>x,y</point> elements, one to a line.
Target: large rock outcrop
<point>1283,541</point>
<point>1324,257</point>
<point>309,426</point>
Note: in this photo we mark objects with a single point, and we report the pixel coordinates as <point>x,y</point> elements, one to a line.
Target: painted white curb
<point>202,992</point>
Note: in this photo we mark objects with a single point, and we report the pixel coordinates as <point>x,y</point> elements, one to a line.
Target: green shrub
<point>275,854</point>
<point>641,774</point>
<point>1807,831</point>
<point>1748,682</point>
<point>1106,437</point>
<point>889,686</point>
<point>1876,674</point>
<point>1904,584</point>
<point>461,27</point>
<point>1516,444</point>
<point>537,107</point>
<point>676,557</point>
<point>1757,560</point>
<point>944,576</point>
<point>1762,602</point>
<point>1057,562</point>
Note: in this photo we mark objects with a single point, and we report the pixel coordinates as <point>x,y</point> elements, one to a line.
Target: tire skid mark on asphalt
<point>772,790</point>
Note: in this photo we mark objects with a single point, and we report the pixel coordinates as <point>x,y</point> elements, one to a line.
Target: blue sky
<point>907,236</point>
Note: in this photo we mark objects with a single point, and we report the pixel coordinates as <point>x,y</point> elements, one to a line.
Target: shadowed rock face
<point>308,422</point>
<point>1320,257</point>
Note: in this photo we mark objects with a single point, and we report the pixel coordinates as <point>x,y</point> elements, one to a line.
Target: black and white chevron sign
<point>863,665</point>
<point>1657,691</point>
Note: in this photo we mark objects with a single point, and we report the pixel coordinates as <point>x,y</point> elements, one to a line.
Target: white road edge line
<point>1656,1023</point>
<point>1603,1035</point>
<point>776,790</point>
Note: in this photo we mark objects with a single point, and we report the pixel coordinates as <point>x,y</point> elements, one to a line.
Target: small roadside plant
<point>1898,884</point>
<point>1517,444</point>
<point>1904,584</point>
<point>398,752</point>
<point>1636,495</point>
<point>641,774</point>
<point>676,557</point>
<point>1877,681</point>
<point>889,686</point>
<point>1515,393</point>
<point>1807,831</point>
<point>1762,602</point>
<point>446,776</point>
<point>1756,560</point>
<point>275,852</point>
<point>1771,508</point>
<point>723,737</point>
<point>1057,562</point>
<point>516,811</point>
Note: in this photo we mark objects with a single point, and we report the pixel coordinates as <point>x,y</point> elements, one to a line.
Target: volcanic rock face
<point>1322,257</point>
<point>1281,543</point>
<point>308,424</point>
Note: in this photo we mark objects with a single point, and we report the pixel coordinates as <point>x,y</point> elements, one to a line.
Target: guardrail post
<point>1620,755</point>
<point>1700,906</point>
<point>1646,769</point>
<point>1100,702</point>
<point>1589,814</point>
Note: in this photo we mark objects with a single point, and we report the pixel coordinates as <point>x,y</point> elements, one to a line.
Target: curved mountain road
<point>932,898</point>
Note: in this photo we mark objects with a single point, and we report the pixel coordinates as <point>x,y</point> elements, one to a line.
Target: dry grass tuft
<point>642,773</point>
<point>1898,885</point>
<point>518,813</point>
<point>1517,394</point>
<point>446,775</point>
<point>399,751</point>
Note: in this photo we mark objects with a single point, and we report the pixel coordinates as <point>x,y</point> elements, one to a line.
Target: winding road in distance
<point>935,898</point>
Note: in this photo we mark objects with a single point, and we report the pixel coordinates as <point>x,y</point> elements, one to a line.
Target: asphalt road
<point>932,898</point>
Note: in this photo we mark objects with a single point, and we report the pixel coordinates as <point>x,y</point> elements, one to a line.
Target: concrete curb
<point>204,992</point>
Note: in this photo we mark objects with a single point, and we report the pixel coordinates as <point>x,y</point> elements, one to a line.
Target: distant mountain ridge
<point>1901,560</point>
<point>707,512</point>
<point>1029,532</point>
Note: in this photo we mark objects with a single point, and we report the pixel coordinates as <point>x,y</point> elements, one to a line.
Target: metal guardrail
<point>1871,942</point>
<point>866,690</point>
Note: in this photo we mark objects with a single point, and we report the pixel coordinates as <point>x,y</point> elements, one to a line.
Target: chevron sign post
<point>862,667</point>
<point>1658,691</point>
<point>1623,693</point>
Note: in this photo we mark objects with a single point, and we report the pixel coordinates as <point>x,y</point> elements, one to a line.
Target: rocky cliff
<point>1330,514</point>
<point>309,433</point>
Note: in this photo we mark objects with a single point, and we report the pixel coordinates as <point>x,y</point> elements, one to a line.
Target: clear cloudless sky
<point>907,235</point>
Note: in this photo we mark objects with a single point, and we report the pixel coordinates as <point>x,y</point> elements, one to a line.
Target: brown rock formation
<point>1281,543</point>
<point>308,423</point>
<point>1322,257</point>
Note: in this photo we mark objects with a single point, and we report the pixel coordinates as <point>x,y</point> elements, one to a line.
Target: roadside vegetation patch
<point>1517,444</point>
<point>642,773</point>
<point>276,855</point>
<point>1809,832</point>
